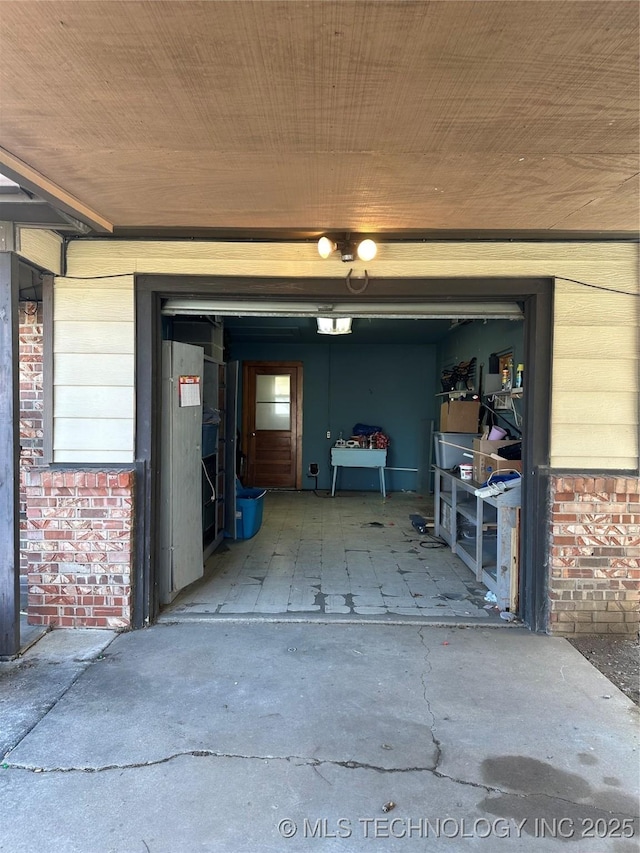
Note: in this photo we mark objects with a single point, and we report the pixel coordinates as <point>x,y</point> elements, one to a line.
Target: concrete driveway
<point>255,736</point>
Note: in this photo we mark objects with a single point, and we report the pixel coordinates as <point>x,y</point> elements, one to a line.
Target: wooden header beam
<point>20,172</point>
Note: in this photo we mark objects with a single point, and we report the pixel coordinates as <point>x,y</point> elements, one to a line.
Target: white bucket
<point>466,472</point>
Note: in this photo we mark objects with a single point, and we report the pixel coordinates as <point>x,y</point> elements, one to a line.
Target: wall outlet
<point>313,469</point>
<point>328,433</point>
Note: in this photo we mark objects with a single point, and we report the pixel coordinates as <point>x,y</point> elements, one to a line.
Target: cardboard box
<point>483,462</point>
<point>459,416</point>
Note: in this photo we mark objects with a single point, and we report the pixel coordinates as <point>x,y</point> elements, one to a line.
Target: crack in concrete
<point>301,761</point>
<point>437,743</point>
<point>314,763</point>
<point>209,753</point>
<point>556,799</point>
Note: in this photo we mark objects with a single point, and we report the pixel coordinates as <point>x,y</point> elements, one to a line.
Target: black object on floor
<point>419,523</point>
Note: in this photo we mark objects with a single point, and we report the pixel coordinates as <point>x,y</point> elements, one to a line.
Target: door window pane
<point>273,416</point>
<point>273,389</point>
<point>273,402</point>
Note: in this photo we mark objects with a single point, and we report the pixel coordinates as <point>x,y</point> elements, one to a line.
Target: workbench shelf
<point>482,531</point>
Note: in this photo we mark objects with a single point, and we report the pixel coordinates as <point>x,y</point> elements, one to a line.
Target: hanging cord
<point>550,275</point>
<point>516,417</point>
<point>206,474</point>
<point>96,277</point>
<point>596,286</point>
<point>502,418</point>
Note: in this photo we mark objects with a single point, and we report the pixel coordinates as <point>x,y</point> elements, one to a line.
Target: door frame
<point>535,294</point>
<point>297,365</point>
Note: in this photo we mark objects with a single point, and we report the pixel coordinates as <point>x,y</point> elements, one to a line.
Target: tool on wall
<point>459,377</point>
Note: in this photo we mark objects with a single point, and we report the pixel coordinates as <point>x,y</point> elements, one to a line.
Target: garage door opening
<point>389,379</point>
<point>402,534</point>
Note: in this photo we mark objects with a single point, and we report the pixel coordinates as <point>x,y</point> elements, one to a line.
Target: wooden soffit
<point>324,115</point>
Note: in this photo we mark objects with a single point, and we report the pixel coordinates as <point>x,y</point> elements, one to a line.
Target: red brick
<point>46,610</point>
<point>563,497</point>
<point>119,557</point>
<point>107,611</point>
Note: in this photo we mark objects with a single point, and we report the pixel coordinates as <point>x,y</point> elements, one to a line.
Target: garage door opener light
<point>334,325</point>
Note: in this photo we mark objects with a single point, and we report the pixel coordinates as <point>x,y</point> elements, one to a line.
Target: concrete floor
<point>253,737</point>
<point>353,555</point>
<point>322,690</point>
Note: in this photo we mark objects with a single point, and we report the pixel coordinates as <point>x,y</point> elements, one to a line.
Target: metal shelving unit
<point>214,460</point>
<point>482,531</point>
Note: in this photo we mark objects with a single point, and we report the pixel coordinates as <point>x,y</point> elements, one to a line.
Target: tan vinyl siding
<point>594,420</point>
<point>594,411</point>
<point>80,337</point>
<point>94,345</point>
<point>609,264</point>
<point>94,401</point>
<point>43,248</point>
<point>95,434</point>
<point>92,369</point>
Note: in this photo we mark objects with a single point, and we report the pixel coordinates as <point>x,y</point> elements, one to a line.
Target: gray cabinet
<point>482,531</point>
<point>180,558</point>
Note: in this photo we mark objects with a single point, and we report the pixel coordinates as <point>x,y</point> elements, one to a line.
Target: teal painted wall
<point>480,339</point>
<point>390,385</point>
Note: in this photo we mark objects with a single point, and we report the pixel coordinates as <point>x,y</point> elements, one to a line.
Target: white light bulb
<point>367,250</point>
<point>325,247</point>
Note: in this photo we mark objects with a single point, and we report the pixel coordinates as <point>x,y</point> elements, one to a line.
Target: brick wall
<point>80,543</point>
<point>30,367</point>
<point>594,586</point>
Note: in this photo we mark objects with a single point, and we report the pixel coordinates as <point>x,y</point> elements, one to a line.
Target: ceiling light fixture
<point>326,247</point>
<point>334,325</point>
<point>366,250</point>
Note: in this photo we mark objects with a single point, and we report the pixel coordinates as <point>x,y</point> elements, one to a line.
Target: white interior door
<point>181,468</point>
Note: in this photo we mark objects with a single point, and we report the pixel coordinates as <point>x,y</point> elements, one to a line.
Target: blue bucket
<point>249,508</point>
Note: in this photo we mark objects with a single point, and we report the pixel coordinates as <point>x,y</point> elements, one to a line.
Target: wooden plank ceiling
<point>326,115</point>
